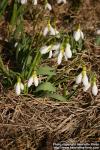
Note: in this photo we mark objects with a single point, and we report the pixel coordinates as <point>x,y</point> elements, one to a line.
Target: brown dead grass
<point>25,122</point>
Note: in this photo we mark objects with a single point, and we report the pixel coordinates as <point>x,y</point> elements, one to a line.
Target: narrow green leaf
<point>47,86</point>
<point>46,71</point>
<point>57,97</point>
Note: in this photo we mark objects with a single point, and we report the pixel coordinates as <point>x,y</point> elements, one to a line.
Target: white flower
<point>78,34</point>
<point>46,30</point>
<point>33,79</point>
<point>61,1</point>
<point>56,46</point>
<point>68,51</point>
<point>34,2</point>
<point>85,88</point>
<point>23,1</point>
<point>45,49</point>
<point>60,56</point>
<point>50,30</point>
<point>94,89</point>
<point>64,52</point>
<point>48,6</point>
<point>50,54</point>
<point>36,81</point>
<point>18,87</point>
<point>21,86</point>
<point>30,81</point>
<point>15,45</point>
<point>85,79</point>
<point>79,78</point>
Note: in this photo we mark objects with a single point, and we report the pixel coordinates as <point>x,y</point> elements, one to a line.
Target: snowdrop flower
<point>34,2</point>
<point>82,77</point>
<point>16,44</point>
<point>94,86</point>
<point>50,54</point>
<point>33,79</point>
<point>61,1</point>
<point>68,52</point>
<point>94,89</point>
<point>78,34</point>
<point>79,78</point>
<point>60,56</point>
<point>23,2</point>
<point>55,48</point>
<point>49,29</point>
<point>45,49</point>
<point>85,78</point>
<point>85,88</point>
<point>18,87</point>
<point>48,6</point>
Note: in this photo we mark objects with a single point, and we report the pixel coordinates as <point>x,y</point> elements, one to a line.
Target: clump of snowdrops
<point>52,44</point>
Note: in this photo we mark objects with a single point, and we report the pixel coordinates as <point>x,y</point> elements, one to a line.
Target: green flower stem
<point>34,63</point>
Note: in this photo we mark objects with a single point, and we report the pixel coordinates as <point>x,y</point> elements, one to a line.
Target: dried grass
<point>28,122</point>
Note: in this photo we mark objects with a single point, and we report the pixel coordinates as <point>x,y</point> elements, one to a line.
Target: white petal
<point>77,35</point>
<point>82,35</point>
<point>65,57</point>
<point>56,53</point>
<point>68,51</point>
<point>56,46</point>
<point>79,78</point>
<point>16,44</point>
<point>45,32</point>
<point>22,86</point>
<point>44,49</point>
<point>23,1</point>
<point>34,2</point>
<point>94,90</point>
<point>30,81</point>
<point>52,31</point>
<point>85,80</point>
<point>17,88</point>
<point>59,1</point>
<point>36,82</point>
<point>48,6</point>
<point>85,88</point>
<point>60,58</point>
<point>50,54</point>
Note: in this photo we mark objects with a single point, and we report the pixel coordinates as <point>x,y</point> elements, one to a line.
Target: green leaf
<point>57,97</point>
<point>97,40</point>
<point>46,71</point>
<point>47,86</point>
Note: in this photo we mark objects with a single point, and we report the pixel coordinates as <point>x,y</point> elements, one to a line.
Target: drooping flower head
<point>48,5</point>
<point>50,30</point>
<point>65,50</point>
<point>23,2</point>
<point>19,86</point>
<point>33,79</point>
<point>82,77</point>
<point>34,2</point>
<point>94,86</point>
<point>78,34</point>
<point>61,1</point>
